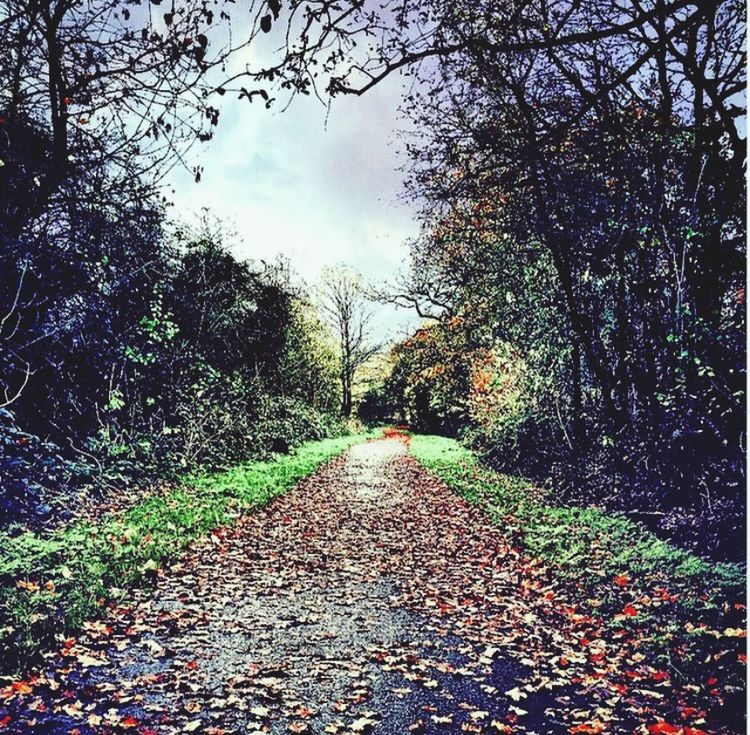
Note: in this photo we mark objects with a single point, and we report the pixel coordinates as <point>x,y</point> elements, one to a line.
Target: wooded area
<point>133,346</point>
<point>582,258</point>
<point>580,172</point>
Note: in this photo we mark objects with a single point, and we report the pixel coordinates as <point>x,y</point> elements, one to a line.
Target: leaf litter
<point>370,599</point>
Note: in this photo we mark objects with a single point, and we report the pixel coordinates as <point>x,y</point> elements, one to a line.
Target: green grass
<point>50,585</point>
<point>584,547</point>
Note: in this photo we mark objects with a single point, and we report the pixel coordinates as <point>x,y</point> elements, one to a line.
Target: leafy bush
<point>154,353</point>
<point>32,472</point>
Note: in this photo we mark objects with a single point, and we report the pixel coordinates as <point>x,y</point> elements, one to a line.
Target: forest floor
<point>370,598</point>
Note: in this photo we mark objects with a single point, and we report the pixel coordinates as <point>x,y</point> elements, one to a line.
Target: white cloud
<point>317,193</point>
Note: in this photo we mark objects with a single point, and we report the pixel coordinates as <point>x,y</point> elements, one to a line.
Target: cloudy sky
<point>318,192</point>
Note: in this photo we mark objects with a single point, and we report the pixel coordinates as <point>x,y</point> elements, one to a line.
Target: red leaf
<point>665,727</point>
<point>588,728</point>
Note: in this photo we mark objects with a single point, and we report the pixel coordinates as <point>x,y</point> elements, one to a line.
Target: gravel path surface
<point>368,599</point>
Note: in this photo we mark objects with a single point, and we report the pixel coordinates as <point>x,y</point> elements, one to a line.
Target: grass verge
<point>50,585</point>
<point>608,561</point>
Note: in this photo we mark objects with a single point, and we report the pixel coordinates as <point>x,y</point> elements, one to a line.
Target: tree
<point>309,366</point>
<point>616,160</point>
<point>97,101</point>
<point>111,81</point>
<point>344,307</point>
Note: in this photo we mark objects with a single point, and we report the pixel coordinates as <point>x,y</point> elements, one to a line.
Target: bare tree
<point>344,307</point>
<point>110,85</point>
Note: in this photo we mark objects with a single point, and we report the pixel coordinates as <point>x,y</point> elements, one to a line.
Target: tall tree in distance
<point>344,306</point>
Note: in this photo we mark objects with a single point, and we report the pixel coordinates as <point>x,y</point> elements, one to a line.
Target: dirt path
<point>368,599</point>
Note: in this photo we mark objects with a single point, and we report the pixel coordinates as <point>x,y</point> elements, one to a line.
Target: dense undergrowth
<point>44,486</point>
<point>615,565</point>
<point>50,585</point>
<point>150,352</point>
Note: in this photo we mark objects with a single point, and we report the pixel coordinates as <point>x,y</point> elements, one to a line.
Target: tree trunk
<point>578,425</point>
<point>346,396</point>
